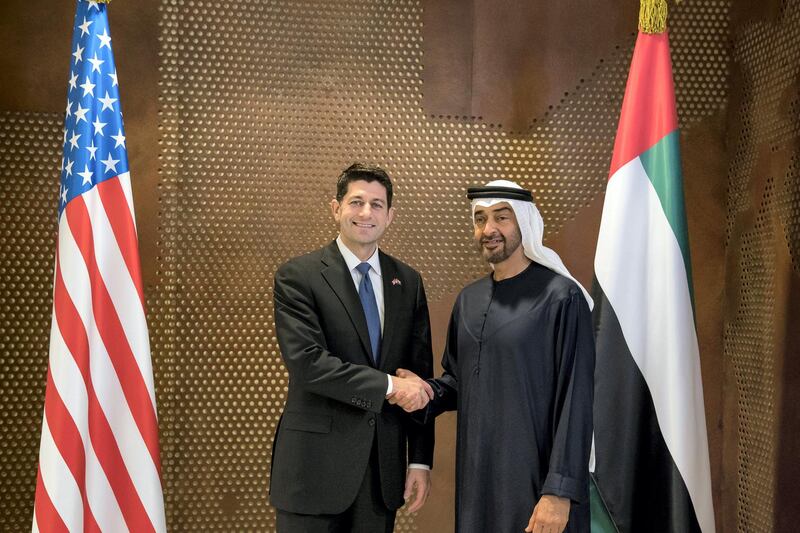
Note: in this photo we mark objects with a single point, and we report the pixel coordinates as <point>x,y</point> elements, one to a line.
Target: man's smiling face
<point>497,233</point>
<point>363,214</point>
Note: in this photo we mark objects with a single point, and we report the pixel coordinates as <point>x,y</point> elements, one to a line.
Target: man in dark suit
<point>347,317</point>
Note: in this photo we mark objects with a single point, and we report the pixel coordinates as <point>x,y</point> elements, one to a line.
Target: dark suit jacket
<point>335,406</point>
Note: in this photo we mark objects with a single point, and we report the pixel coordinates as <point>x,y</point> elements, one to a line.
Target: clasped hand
<point>409,391</point>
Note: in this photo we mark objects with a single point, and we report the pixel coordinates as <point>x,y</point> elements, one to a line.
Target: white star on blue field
<point>94,135</point>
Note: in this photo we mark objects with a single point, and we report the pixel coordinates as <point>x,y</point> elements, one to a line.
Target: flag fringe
<point>653,16</point>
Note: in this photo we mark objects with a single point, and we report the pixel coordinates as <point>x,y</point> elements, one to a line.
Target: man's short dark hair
<point>360,172</point>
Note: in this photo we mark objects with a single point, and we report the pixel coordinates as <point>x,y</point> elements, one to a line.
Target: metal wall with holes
<point>763,247</point>
<point>261,103</point>
<point>29,160</point>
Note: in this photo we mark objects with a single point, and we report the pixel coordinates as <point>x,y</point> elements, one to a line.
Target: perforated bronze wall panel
<point>763,221</point>
<point>263,103</point>
<point>29,166</point>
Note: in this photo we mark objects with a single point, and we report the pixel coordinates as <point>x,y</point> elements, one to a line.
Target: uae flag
<point>651,468</point>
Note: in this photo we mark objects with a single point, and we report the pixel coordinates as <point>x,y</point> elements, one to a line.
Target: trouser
<point>367,514</point>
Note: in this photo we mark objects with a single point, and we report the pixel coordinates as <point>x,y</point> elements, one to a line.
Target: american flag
<point>99,467</point>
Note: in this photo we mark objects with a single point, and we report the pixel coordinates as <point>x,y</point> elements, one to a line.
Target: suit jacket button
<point>369,404</point>
<point>353,400</point>
<point>371,421</point>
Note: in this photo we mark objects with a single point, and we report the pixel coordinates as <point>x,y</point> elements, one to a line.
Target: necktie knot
<point>363,268</point>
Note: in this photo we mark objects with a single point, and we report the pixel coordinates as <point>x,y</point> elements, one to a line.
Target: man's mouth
<point>492,243</point>
<point>363,225</point>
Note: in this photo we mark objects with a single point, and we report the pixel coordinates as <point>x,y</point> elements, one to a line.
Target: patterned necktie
<point>370,305</point>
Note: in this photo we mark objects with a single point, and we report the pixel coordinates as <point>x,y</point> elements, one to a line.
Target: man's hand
<point>403,373</point>
<point>550,515</point>
<point>409,391</point>
<point>418,480</point>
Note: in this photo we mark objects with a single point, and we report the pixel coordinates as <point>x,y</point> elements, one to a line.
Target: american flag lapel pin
<point>396,281</point>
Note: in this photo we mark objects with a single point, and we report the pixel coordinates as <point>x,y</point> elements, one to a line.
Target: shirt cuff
<point>390,388</point>
<point>418,466</point>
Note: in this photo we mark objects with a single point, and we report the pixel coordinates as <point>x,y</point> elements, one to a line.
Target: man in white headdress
<point>518,368</point>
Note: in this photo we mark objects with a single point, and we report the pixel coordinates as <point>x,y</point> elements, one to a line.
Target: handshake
<point>409,391</point>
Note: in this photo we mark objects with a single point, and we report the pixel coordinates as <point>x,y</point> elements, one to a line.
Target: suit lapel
<point>340,280</point>
<point>392,304</point>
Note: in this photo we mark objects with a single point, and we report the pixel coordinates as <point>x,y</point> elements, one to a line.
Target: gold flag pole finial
<point>653,16</point>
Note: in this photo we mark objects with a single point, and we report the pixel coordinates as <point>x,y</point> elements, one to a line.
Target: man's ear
<point>390,217</point>
<point>335,205</point>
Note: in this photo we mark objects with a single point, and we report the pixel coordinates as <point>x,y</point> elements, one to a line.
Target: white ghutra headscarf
<point>530,222</point>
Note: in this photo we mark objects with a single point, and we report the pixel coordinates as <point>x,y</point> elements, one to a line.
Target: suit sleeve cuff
<point>418,466</point>
<point>565,487</point>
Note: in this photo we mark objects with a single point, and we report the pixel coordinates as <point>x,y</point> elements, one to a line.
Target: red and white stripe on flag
<point>99,466</point>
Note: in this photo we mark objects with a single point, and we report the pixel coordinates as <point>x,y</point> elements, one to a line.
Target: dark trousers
<point>367,514</point>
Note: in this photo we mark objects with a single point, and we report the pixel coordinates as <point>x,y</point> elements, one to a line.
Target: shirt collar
<point>352,261</point>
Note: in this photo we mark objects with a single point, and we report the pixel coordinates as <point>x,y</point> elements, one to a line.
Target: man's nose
<point>489,228</point>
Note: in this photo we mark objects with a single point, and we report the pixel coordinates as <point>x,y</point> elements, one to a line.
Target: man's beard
<point>503,252</point>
